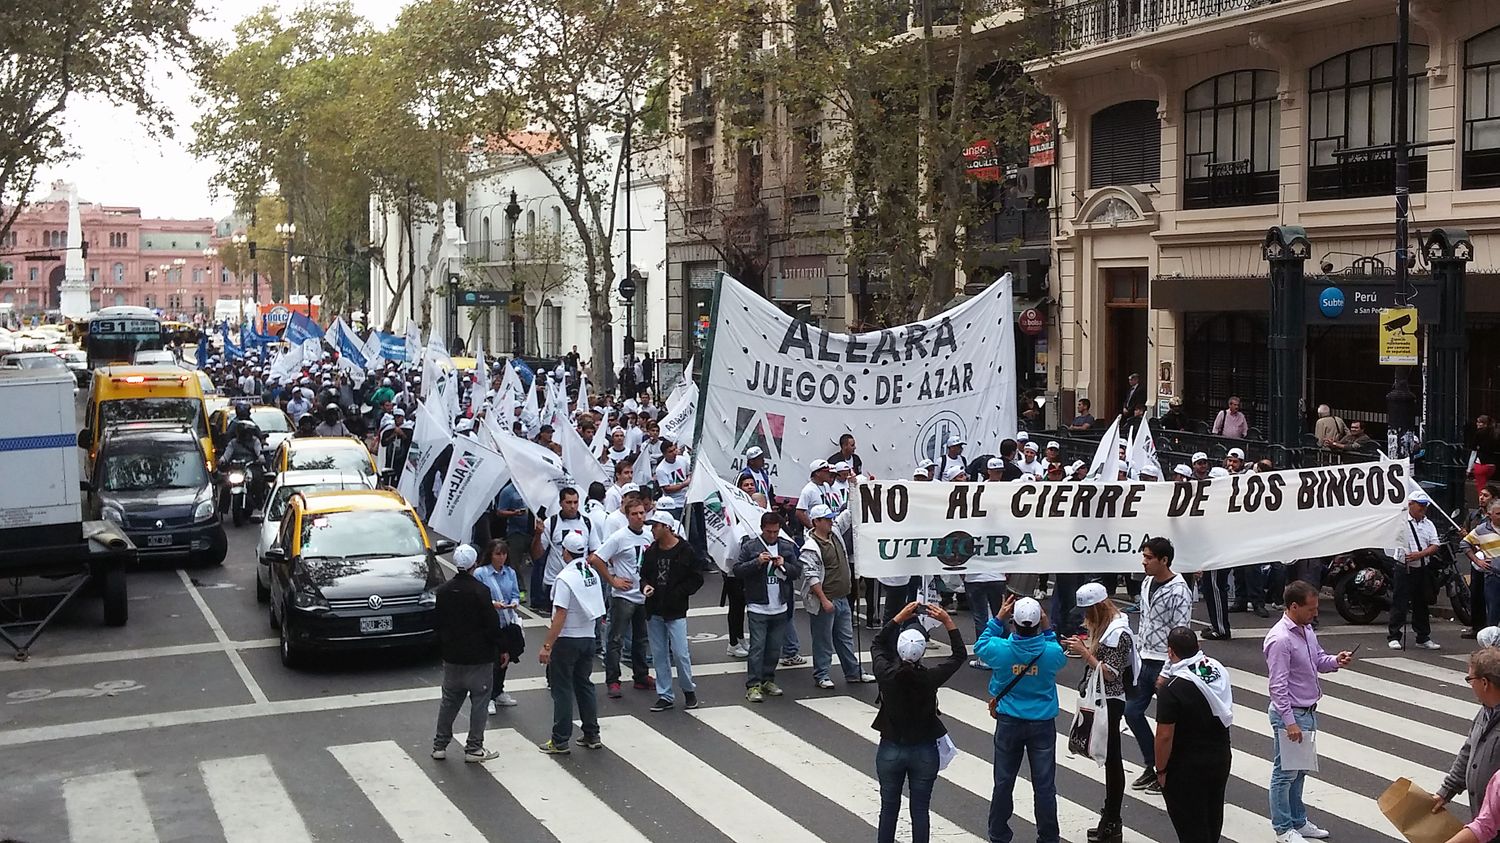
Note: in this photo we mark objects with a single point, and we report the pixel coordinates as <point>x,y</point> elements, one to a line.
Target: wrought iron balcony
<point>697,110</point>
<point>1368,171</point>
<point>1227,184</point>
<point>1092,22</point>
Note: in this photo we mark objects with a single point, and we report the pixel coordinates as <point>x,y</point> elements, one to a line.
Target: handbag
<point>995,700</point>
<point>1089,735</point>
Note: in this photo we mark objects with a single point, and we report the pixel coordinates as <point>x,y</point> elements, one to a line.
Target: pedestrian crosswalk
<point>1385,718</point>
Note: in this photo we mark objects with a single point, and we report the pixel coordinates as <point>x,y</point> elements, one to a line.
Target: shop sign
<point>982,161</point>
<point>1358,301</point>
<point>1030,322</point>
<point>1043,146</point>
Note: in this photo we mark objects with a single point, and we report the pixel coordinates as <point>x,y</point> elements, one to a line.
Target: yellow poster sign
<point>1398,336</point>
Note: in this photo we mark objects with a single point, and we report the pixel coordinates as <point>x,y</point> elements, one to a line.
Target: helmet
<point>242,410</point>
<point>246,431</point>
<point>1369,581</point>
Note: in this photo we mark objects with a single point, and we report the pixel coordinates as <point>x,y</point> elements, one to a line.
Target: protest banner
<point>792,389</point>
<point>475,475</point>
<point>729,515</point>
<point>904,528</point>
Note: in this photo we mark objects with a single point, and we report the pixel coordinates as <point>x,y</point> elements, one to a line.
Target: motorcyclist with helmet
<point>332,424</point>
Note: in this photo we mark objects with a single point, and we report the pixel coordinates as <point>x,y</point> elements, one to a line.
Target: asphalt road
<point>183,725</point>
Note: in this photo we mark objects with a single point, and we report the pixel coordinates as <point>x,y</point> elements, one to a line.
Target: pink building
<point>156,263</point>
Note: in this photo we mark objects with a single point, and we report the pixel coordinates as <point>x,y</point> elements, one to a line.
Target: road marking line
<point>1380,721</point>
<point>228,646</point>
<point>555,797</point>
<point>973,773</point>
<point>406,798</point>
<point>1430,700</point>
<point>252,803</point>
<point>171,651</point>
<point>816,769</point>
<point>1427,669</point>
<point>281,708</point>
<point>1255,770</point>
<point>736,812</point>
<point>108,808</point>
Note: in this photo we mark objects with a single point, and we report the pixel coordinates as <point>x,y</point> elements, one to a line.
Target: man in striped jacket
<point>1166,603</point>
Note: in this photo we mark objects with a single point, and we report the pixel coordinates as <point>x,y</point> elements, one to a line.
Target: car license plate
<point>159,541</point>
<point>376,624</point>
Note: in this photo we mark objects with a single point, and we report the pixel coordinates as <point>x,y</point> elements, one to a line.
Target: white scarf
<point>583,581</point>
<point>1111,638</point>
<point>1212,679</point>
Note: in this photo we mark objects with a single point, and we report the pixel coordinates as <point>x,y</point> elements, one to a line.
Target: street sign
<point>1398,336</point>
<point>483,298</point>
<point>1341,300</point>
<point>627,288</point>
<point>1030,322</point>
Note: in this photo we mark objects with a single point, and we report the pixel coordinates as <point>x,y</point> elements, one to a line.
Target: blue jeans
<point>790,645</point>
<point>1135,711</point>
<point>1037,740</point>
<point>1287,810</point>
<point>834,631</point>
<point>625,615</point>
<point>985,599</point>
<point>669,646</point>
<point>767,633</point>
<point>1491,599</point>
<point>898,763</point>
<point>569,681</point>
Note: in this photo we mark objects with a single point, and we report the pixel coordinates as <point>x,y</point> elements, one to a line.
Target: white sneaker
<point>1312,832</point>
<point>740,651</point>
<point>1290,837</point>
<point>504,700</point>
<point>863,678</point>
<point>825,684</point>
<point>492,706</point>
<point>1395,645</point>
<point>1423,645</point>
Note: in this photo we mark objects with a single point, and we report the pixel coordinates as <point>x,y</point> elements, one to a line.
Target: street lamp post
<point>628,287</point>
<point>288,232</point>
<point>517,291</point>
<point>294,263</point>
<point>239,241</point>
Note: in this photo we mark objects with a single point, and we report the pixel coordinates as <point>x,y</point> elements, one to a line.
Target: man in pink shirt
<point>1294,659</point>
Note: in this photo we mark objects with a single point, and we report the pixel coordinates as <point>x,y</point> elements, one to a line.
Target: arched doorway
<point>54,287</point>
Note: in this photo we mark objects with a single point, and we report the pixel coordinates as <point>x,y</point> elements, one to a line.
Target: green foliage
<point>57,50</point>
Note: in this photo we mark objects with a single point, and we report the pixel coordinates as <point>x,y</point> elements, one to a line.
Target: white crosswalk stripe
<point>1427,669</point>
<point>108,808</point>
<point>558,800</point>
<point>406,798</point>
<point>1381,721</point>
<point>251,803</point>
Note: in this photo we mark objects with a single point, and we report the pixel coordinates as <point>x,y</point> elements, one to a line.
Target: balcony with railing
<point>1075,26</point>
<point>1026,226</point>
<point>1227,184</point>
<point>1366,171</point>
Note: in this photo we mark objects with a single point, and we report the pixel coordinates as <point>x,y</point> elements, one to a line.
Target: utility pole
<point>1400,403</point>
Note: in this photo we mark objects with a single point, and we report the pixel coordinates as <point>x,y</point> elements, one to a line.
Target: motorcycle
<point>1364,581</point>
<point>242,480</point>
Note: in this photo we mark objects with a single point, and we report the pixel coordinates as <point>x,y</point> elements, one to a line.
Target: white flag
<point>429,436</point>
<point>285,364</point>
<point>643,472</point>
<point>481,391</point>
<point>1143,451</point>
<point>582,465</point>
<point>682,413</point>
<point>413,343</point>
<point>582,405</point>
<point>531,410</point>
<point>334,331</point>
<point>490,431</point>
<point>729,515</point>
<point>538,473</point>
<point>1106,462</point>
<point>475,475</point>
<point>312,349</point>
<point>371,351</point>
<point>601,435</point>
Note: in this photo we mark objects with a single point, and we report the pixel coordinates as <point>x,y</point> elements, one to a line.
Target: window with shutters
<point>1481,156</point>
<point>701,174</point>
<point>1230,127</point>
<point>1125,145</point>
<point>1351,123</point>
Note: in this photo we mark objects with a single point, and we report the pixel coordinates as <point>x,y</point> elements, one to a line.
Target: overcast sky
<point>120,163</point>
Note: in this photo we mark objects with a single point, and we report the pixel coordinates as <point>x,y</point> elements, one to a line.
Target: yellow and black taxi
<point>323,453</point>
<point>352,569</point>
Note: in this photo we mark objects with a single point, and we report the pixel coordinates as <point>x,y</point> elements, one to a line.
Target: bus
<point>115,334</point>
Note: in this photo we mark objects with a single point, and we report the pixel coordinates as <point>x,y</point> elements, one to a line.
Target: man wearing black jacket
<point>768,564</point>
<point>468,632</point>
<point>670,574</point>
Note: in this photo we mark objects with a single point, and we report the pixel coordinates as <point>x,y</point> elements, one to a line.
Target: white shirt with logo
<point>622,552</point>
<point>674,471</point>
<point>774,605</point>
<point>554,530</point>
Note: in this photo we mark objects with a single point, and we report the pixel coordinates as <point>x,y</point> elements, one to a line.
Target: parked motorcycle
<point>1363,583</point>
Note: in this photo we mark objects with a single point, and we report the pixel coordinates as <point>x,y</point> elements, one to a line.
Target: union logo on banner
<point>276,319</point>
<point>760,429</point>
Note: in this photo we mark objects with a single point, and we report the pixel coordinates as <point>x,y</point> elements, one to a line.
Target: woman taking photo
<point>1111,652</point>
<point>908,719</point>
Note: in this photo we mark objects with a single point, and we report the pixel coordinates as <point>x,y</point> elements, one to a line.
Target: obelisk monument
<point>74,299</point>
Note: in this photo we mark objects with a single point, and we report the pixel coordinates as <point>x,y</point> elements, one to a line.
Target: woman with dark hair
<point>1110,653</point>
<point>908,722</point>
<point>505,592</point>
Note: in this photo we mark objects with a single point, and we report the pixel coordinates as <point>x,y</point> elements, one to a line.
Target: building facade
<point>1186,130</point>
<point>164,264</point>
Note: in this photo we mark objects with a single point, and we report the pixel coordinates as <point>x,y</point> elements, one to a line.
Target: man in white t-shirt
<point>673,474</point>
<point>618,559</point>
<point>951,466</point>
<point>838,489</point>
<point>618,451</point>
<point>820,474</point>
<point>768,564</point>
<point>548,536</point>
<point>568,652</point>
<point>624,476</point>
<point>1029,464</point>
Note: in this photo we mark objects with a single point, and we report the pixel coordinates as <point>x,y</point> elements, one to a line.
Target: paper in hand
<point>1409,808</point>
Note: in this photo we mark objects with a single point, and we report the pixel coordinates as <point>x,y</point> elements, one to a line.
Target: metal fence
<point>1078,25</point>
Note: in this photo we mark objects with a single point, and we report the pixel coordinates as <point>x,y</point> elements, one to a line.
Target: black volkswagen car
<point>152,479</point>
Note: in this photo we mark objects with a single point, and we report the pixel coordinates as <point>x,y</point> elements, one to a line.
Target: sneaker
<point>1312,832</point>
<point>588,742</point>
<point>439,754</point>
<point>504,700</point>
<point>1152,789</point>
<point>1211,635</point>
<point>739,651</point>
<point>978,664</point>
<point>661,704</point>
<point>491,708</point>
<point>689,700</point>
<point>552,747</point>
<point>647,684</point>
<point>825,684</point>
<point>1260,611</point>
<point>754,694</point>
<point>1144,780</point>
<point>1290,837</point>
<point>770,689</point>
<point>481,756</point>
<point>860,679</point>
<point>1395,645</point>
<point>614,690</point>
<point>792,661</point>
<point>1422,645</point>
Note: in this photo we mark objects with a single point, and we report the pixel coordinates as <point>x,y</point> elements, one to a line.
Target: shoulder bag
<point>995,700</point>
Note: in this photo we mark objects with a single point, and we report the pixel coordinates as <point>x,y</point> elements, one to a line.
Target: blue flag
<point>527,376</point>
<point>231,351</point>
<point>392,347</point>
<point>203,351</point>
<point>300,328</point>
<point>349,349</point>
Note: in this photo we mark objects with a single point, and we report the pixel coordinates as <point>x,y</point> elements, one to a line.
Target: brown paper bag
<point>1409,808</point>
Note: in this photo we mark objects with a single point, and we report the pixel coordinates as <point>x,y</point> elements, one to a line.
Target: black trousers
<point>896,598</point>
<point>1114,766</point>
<point>734,596</point>
<point>1410,591</point>
<point>1195,798</point>
<point>1216,598</point>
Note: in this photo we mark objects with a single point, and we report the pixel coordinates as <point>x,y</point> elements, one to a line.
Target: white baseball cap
<point>842,466</point>
<point>754,452</point>
<point>1053,444</point>
<point>818,465</point>
<point>1027,612</point>
<point>1091,594</point>
<point>1182,471</point>
<point>995,463</point>
<point>1030,447</point>
<point>820,511</point>
<point>911,644</point>
<point>922,472</point>
<point>575,543</point>
<point>1023,436</point>
<point>1418,497</point>
<point>1236,453</point>
<point>1199,456</point>
<point>956,440</point>
<point>1075,465</point>
<point>464,425</point>
<point>664,518</point>
<point>465,557</point>
<point>1218,471</point>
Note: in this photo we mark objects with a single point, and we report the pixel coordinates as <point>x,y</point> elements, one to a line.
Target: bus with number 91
<point>115,334</point>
